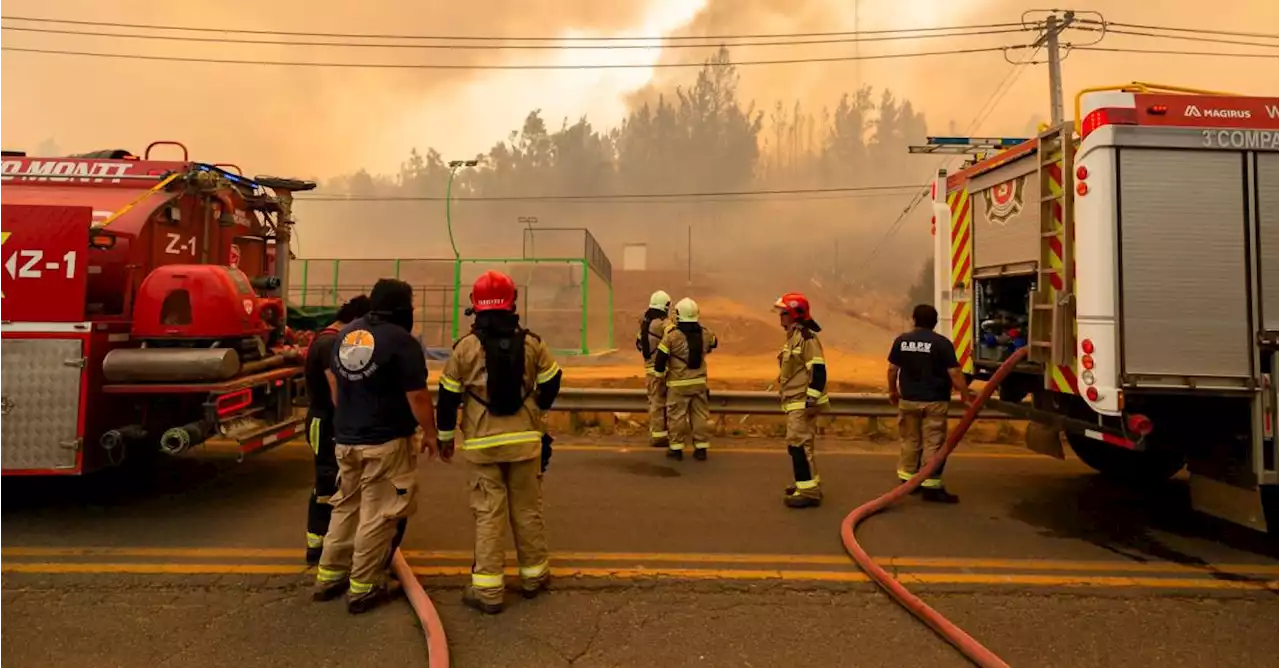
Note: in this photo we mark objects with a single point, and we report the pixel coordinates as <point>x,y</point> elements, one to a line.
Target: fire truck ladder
<point>1052,322</point>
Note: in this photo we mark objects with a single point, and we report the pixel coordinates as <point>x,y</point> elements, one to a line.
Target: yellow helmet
<point>660,300</point>
<point>686,310</point>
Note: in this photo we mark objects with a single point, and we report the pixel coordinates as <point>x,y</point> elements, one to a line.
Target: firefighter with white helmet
<point>653,325</point>
<point>802,384</point>
<point>504,378</point>
<point>681,361</point>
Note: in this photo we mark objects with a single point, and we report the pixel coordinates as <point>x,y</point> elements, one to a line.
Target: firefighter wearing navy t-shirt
<point>504,378</point>
<point>379,375</point>
<point>320,424</point>
<point>922,372</point>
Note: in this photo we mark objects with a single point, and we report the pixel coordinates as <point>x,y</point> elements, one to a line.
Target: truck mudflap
<point>41,424</point>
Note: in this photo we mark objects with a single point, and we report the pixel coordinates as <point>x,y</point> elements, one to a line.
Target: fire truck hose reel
<point>953,634</point>
<point>428,618</point>
<point>177,440</point>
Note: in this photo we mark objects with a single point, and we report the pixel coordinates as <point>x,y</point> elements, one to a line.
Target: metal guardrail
<point>737,402</point>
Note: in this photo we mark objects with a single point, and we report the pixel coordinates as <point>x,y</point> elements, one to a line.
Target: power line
<point>1203,31</point>
<point>1108,30</point>
<point>605,200</point>
<point>1169,52</point>
<point>615,198</point>
<point>491,38</point>
<point>443,66</point>
<point>494,46</point>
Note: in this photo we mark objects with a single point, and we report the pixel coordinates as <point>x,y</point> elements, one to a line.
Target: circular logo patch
<point>355,353</point>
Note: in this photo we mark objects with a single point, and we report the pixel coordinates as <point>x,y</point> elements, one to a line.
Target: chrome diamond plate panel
<point>40,403</point>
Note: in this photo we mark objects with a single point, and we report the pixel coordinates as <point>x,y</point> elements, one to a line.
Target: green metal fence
<point>568,301</point>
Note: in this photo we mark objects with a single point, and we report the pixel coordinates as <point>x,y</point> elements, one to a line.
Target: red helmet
<point>795,305</point>
<point>493,291</point>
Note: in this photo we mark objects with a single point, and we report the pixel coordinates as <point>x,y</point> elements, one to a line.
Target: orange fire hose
<point>432,629</point>
<point>941,625</point>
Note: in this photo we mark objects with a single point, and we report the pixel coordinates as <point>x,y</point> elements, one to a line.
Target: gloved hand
<point>546,451</point>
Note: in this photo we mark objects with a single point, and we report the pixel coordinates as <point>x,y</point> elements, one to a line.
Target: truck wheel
<point>1126,465</point>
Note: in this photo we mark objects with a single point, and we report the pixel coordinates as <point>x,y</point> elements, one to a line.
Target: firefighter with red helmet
<point>802,384</point>
<point>504,378</point>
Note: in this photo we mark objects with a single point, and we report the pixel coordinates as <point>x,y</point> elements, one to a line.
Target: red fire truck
<point>143,309</point>
<point>1134,252</point>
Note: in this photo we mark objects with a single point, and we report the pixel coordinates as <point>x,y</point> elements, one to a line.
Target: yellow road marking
<point>667,557</point>
<point>624,449</point>
<point>666,573</point>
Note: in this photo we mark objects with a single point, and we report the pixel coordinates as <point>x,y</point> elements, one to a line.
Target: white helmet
<point>686,310</point>
<point>660,300</point>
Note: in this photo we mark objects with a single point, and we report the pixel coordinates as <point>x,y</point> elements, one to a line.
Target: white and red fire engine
<point>1134,252</point>
<point>142,309</point>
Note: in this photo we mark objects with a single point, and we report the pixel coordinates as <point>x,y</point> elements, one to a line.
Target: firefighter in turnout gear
<point>504,378</point>
<point>379,375</point>
<point>681,361</point>
<point>320,424</point>
<point>802,383</point>
<point>922,372</point>
<point>653,326</point>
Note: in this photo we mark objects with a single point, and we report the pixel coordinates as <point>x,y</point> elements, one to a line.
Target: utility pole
<point>1053,26</point>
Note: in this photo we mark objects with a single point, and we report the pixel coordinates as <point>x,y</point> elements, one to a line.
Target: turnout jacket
<point>802,372</point>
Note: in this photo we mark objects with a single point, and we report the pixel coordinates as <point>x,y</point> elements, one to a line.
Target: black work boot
<point>660,442</point>
<point>362,603</point>
<point>900,481</point>
<point>700,454</point>
<point>472,600</point>
<point>794,500</point>
<point>313,555</point>
<point>327,591</point>
<point>677,455</point>
<point>532,588</point>
<point>939,495</point>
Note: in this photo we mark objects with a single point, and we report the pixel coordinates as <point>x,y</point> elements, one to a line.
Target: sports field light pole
<point>528,222</point>
<point>454,166</point>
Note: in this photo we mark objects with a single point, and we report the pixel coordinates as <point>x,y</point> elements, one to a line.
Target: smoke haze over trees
<point>701,136</point>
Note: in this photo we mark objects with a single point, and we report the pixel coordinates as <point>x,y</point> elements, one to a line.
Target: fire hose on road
<point>432,629</point>
<point>953,634</point>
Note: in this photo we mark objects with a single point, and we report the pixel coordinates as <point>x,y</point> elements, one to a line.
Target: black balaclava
<point>391,301</point>
<point>646,346</point>
<point>693,334</point>
<point>503,341</point>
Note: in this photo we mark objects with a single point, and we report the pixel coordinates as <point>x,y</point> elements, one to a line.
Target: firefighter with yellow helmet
<point>681,361</point>
<point>802,384</point>
<point>504,378</point>
<point>653,326</point>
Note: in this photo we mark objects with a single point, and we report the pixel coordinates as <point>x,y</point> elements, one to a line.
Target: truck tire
<point>1145,467</point>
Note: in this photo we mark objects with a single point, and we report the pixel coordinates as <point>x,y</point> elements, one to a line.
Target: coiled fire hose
<point>953,634</point>
<point>432,629</point>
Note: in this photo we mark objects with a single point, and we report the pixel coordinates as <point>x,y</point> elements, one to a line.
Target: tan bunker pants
<point>689,417</point>
<point>922,426</point>
<point>657,389</point>
<point>802,433</point>
<point>507,492</point>
<point>377,492</point>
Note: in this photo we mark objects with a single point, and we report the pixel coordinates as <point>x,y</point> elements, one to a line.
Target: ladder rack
<point>1052,317</point>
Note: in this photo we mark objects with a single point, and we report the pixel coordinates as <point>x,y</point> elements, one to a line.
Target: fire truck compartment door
<point>41,403</point>
<point>1184,284</point>
<point>1006,215</point>
<point>1267,176</point>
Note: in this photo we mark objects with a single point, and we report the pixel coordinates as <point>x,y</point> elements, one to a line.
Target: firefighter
<point>320,424</point>
<point>681,362</point>
<point>922,372</point>
<point>504,378</point>
<point>653,325</point>
<point>802,384</point>
<point>378,375</point>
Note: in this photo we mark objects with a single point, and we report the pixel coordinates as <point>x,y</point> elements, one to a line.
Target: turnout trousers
<point>801,437</point>
<point>320,438</point>
<point>377,492</point>
<point>689,417</point>
<point>656,386</point>
<point>502,494</point>
<point>922,426</point>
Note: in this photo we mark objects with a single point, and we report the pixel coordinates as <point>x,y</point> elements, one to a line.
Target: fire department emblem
<point>1004,200</point>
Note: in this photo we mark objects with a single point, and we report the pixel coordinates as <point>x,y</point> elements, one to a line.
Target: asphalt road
<point>197,562</point>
